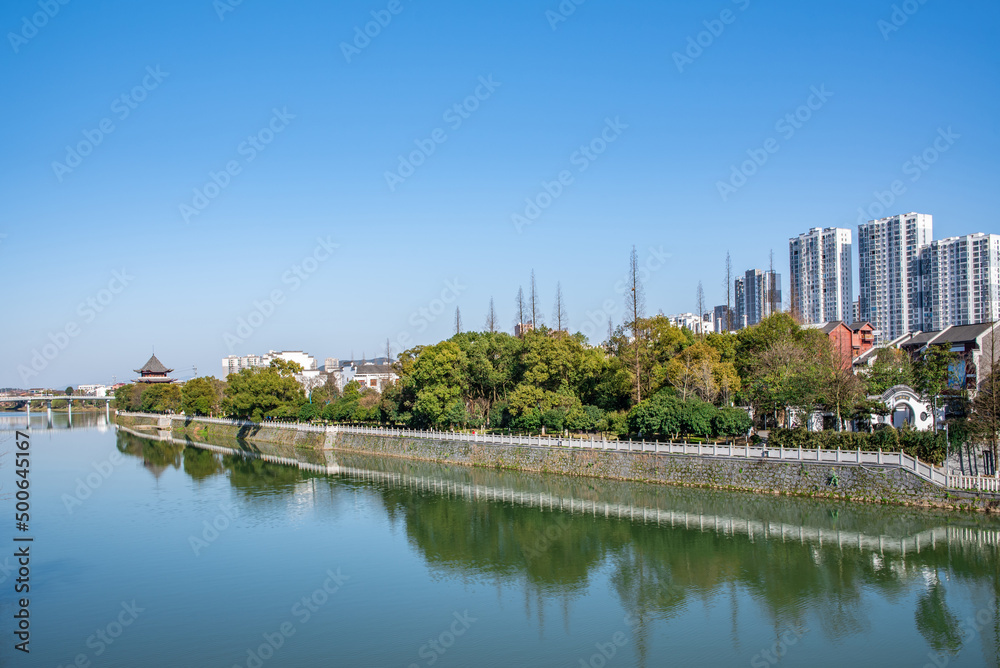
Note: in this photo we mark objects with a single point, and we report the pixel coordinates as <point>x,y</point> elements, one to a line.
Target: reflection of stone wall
<point>850,482</point>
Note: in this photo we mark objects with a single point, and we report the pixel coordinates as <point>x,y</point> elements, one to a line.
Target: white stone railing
<point>298,426</point>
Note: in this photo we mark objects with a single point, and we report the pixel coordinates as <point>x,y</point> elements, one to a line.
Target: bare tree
<point>491,319</point>
<point>772,292</point>
<point>520,310</point>
<point>636,304</point>
<point>536,312</point>
<point>729,293</point>
<point>700,307</point>
<point>560,309</point>
<point>986,404</point>
<point>388,352</point>
<point>458,320</point>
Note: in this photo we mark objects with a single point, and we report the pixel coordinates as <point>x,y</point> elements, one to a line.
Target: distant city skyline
<point>215,183</point>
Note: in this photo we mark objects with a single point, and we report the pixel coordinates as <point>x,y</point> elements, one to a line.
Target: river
<point>160,553</point>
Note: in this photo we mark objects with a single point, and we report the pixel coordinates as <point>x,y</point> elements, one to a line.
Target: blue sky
<point>198,80</point>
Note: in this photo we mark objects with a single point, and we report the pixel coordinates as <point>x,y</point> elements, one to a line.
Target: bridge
<point>49,398</point>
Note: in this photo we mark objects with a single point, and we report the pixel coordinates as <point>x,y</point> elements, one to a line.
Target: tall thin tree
<point>458,320</point>
<point>772,288</point>
<point>729,293</point>
<point>700,307</point>
<point>636,305</point>
<point>521,311</point>
<point>560,309</point>
<point>536,312</point>
<point>491,319</point>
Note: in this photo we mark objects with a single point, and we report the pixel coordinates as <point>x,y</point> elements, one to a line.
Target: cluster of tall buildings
<point>908,282</point>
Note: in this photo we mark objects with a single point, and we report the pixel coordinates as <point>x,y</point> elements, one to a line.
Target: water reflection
<point>89,418</point>
<point>814,567</point>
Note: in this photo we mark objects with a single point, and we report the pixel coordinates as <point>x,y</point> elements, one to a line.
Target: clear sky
<point>117,112</point>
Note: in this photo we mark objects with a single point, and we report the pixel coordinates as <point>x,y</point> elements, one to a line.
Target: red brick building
<point>850,341</point>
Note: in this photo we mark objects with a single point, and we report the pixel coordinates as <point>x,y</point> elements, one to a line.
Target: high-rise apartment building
<point>961,280</point>
<point>889,269</point>
<point>758,295</point>
<point>233,363</point>
<point>822,275</point>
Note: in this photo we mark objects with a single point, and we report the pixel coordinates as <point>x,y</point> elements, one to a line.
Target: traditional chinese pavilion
<point>153,371</point>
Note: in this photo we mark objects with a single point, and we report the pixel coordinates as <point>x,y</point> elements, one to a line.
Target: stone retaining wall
<point>211,430</point>
<point>849,482</point>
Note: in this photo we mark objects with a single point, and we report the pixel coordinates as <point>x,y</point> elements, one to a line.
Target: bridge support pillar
<point>69,408</point>
<point>48,412</point>
<point>107,412</point>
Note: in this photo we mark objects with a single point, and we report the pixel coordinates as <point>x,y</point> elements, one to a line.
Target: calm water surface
<point>217,559</point>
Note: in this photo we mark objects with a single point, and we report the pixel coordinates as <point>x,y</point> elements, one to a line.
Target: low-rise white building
<point>310,376</point>
<point>690,321</point>
<point>374,376</point>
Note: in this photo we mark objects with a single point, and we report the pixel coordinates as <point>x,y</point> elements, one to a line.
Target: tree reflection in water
<point>657,569</point>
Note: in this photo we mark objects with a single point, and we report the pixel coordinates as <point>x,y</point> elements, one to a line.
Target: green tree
<point>123,398</point>
<point>437,375</point>
<point>890,367</point>
<point>731,422</point>
<point>260,392</point>
<point>202,396</point>
<point>160,398</point>
<point>933,370</point>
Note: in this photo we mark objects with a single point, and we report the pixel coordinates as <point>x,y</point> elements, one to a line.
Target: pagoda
<point>153,371</point>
